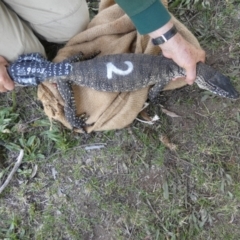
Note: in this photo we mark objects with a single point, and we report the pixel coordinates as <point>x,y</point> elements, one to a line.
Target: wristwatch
<point>165,37</point>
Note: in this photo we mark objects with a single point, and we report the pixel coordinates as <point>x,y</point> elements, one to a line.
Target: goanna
<point>113,73</point>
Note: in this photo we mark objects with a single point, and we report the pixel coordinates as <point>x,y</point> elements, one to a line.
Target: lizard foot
<point>75,58</point>
<point>80,57</point>
<point>156,100</point>
<point>80,122</point>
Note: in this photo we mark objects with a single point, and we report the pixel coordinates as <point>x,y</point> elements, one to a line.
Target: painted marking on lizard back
<point>113,69</point>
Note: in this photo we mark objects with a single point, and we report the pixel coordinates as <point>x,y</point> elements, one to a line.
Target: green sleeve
<point>147,15</point>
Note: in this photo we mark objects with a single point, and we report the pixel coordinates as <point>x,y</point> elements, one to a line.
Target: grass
<point>133,187</point>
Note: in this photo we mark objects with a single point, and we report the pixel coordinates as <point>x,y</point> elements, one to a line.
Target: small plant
<point>14,230</point>
<point>61,138</point>
<point>7,122</point>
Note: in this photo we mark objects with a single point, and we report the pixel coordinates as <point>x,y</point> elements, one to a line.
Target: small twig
<point>191,19</point>
<point>201,115</point>
<point>147,122</point>
<point>177,158</point>
<point>165,229</point>
<point>94,147</point>
<point>230,136</point>
<point>32,120</point>
<point>150,205</point>
<point>74,148</point>
<point>15,168</point>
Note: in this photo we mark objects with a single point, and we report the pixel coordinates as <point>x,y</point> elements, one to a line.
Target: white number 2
<point>113,69</point>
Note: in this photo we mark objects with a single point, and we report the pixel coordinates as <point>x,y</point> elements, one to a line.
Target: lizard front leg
<point>153,93</point>
<point>65,89</point>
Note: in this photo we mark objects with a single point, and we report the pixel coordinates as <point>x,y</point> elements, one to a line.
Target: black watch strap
<point>165,37</point>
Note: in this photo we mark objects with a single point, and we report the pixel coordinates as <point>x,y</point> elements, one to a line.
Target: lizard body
<point>115,73</point>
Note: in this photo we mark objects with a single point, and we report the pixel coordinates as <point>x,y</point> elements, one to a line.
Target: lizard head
<point>216,83</point>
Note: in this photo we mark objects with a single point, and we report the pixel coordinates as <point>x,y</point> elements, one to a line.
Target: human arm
<point>180,51</point>
<point>6,83</point>
<point>151,17</point>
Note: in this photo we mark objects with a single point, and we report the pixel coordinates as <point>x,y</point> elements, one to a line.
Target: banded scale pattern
<point>112,73</point>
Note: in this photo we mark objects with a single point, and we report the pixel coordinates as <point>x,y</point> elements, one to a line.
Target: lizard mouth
<point>221,85</point>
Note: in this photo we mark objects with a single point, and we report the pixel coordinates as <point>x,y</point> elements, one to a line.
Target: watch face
<point>158,41</point>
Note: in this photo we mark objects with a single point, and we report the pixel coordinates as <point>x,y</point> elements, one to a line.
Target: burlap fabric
<point>111,32</point>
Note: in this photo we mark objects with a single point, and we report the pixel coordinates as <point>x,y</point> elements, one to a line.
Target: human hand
<point>181,52</point>
<point>6,83</point>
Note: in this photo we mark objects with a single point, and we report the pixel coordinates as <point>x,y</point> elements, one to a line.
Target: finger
<point>202,56</point>
<point>9,85</point>
<point>177,78</point>
<point>2,89</point>
<point>54,85</point>
<point>191,74</point>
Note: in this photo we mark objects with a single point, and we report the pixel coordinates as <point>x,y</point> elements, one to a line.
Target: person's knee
<point>73,17</point>
<point>18,38</point>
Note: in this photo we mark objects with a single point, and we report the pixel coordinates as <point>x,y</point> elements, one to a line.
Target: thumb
<point>8,84</point>
<point>190,74</point>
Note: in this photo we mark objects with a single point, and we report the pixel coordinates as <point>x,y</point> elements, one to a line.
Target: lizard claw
<point>76,58</point>
<point>80,122</point>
